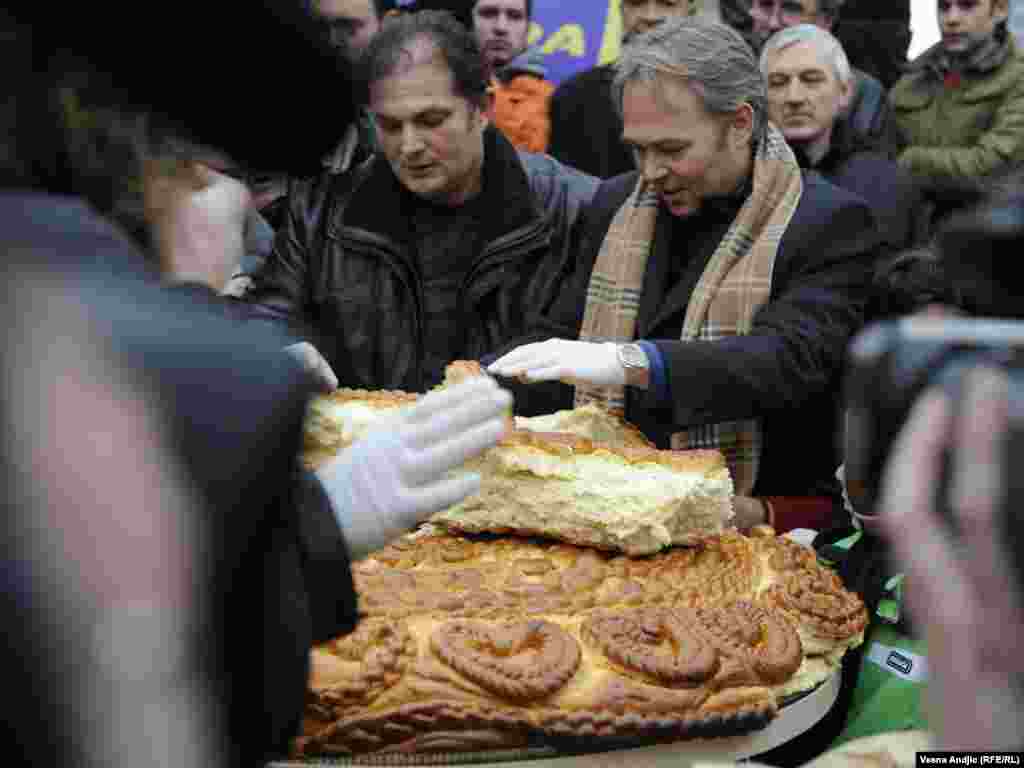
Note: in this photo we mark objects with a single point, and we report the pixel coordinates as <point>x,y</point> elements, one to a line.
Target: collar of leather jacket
<point>378,203</point>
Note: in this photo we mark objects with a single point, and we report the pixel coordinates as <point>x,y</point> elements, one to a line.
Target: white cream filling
<point>596,498</point>
<point>589,421</point>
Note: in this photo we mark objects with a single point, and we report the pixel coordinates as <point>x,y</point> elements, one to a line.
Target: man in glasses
<point>959,111</point>
<point>867,112</point>
<point>351,24</point>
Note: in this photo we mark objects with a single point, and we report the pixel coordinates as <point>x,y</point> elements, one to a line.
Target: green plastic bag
<point>892,672</point>
<point>889,692</point>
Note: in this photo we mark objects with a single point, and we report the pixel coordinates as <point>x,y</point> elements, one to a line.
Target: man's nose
<point>649,13</point>
<point>412,142</point>
<point>650,166</point>
<point>501,25</point>
<point>795,93</point>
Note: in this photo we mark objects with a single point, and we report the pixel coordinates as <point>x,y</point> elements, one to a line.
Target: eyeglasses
<point>966,6</point>
<point>790,11</point>
<point>339,31</point>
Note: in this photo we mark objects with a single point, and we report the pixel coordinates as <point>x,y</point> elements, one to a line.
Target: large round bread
<point>477,643</point>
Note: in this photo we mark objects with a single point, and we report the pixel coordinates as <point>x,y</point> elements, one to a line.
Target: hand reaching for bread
<point>397,475</point>
<point>572,362</point>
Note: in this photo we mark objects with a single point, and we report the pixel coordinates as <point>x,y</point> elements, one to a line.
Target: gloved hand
<point>574,362</point>
<point>393,478</point>
<point>309,357</point>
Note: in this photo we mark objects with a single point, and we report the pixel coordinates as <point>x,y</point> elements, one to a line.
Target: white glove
<point>574,362</point>
<point>386,483</point>
<point>309,357</point>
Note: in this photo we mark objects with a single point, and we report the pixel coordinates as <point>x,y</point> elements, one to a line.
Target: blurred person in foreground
<point>177,562</point>
<point>809,84</point>
<point>435,249</point>
<point>716,289</point>
<point>965,592</point>
<point>933,442</point>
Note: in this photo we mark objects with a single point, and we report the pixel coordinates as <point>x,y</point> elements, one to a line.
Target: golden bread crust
<point>458,371</point>
<point>483,643</point>
<point>373,398</point>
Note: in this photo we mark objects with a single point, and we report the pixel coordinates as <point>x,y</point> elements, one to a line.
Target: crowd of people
<point>691,235</point>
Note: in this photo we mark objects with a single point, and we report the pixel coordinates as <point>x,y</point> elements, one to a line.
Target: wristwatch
<point>634,362</point>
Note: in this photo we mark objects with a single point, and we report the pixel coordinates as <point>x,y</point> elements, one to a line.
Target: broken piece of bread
<point>634,500</point>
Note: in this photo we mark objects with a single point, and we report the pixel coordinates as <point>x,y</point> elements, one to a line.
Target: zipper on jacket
<point>513,245</point>
<point>365,242</point>
<point>516,243</point>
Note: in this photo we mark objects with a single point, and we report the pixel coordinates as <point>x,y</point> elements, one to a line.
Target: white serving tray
<point>791,721</point>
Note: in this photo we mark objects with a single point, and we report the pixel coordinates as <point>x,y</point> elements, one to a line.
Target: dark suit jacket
<point>275,567</point>
<point>786,371</point>
<point>893,194</point>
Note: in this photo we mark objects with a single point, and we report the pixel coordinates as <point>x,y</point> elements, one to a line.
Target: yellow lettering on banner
<point>535,34</point>
<point>612,38</point>
<point>569,38</point>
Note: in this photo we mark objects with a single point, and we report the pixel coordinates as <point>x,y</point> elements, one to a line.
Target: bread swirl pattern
<point>514,642</point>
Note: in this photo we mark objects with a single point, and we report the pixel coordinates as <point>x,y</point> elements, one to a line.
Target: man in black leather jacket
<point>437,247</point>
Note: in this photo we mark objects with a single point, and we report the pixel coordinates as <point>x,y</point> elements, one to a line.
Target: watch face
<point>633,356</point>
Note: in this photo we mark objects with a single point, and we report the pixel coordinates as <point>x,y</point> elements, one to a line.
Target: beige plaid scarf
<point>735,284</point>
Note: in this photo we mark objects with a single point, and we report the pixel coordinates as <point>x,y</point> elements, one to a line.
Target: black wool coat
<point>787,371</point>
<point>273,568</point>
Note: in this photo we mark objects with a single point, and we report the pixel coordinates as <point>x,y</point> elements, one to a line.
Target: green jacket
<point>948,133</point>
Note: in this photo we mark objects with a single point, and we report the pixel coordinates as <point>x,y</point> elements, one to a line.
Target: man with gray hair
<point>866,110</point>
<point>716,287</point>
<point>809,80</point>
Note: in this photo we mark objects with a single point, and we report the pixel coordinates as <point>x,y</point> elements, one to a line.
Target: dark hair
<point>451,39</point>
<point>32,146</point>
<point>830,9</point>
<point>529,8</point>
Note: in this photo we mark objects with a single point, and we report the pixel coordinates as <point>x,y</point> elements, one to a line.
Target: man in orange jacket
<point>518,77</point>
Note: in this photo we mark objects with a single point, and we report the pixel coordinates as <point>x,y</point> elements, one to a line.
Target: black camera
<point>892,363</point>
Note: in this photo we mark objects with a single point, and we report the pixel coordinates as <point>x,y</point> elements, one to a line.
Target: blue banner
<point>575,36</point>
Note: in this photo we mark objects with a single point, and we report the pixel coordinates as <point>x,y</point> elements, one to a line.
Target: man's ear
<point>485,114</point>
<point>742,123</point>
<point>846,93</point>
<point>1000,10</point>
